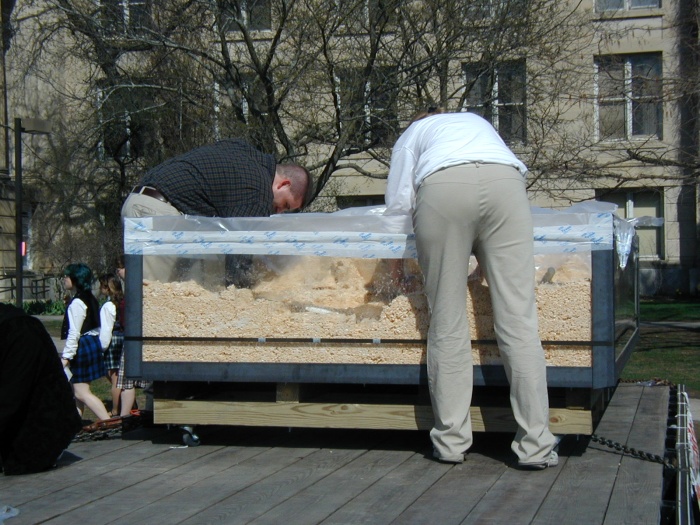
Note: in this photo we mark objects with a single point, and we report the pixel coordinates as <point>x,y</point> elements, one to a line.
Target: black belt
<point>150,191</point>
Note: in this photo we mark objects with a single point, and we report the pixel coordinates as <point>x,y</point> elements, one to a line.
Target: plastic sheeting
<point>363,232</point>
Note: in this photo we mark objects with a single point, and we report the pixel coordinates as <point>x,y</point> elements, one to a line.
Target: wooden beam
<point>348,415</point>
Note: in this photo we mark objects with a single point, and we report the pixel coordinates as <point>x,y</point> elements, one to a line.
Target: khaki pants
<point>156,268</point>
<point>481,209</point>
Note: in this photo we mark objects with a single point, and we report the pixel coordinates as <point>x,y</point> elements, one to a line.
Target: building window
<point>497,93</point>
<point>493,9</point>
<point>131,17</point>
<point>361,16</point>
<point>371,101</point>
<point>255,15</point>
<point>127,121</point>
<point>354,201</point>
<point>628,93</point>
<point>621,5</point>
<point>640,202</point>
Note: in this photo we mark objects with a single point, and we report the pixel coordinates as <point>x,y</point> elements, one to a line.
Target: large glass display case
<point>316,299</point>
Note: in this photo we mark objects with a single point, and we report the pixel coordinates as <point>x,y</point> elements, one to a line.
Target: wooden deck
<point>308,476</point>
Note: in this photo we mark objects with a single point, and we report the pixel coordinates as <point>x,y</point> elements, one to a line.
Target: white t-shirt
<point>437,142</point>
<point>108,315</point>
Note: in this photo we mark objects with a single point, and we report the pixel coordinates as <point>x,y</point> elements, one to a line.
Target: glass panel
<point>646,76</point>
<point>647,203</point>
<point>618,198</point>
<point>609,5</point>
<point>649,242</point>
<point>511,83</point>
<point>382,103</point>
<point>381,11</point>
<point>646,94</point>
<point>612,120</point>
<point>352,90</point>
<point>478,81</point>
<point>511,123</point>
<point>626,300</point>
<point>259,14</point>
<point>645,3</point>
<point>112,15</point>
<point>230,13</point>
<point>611,77</point>
<point>645,118</point>
<point>511,100</point>
<point>139,14</point>
<point>346,302</point>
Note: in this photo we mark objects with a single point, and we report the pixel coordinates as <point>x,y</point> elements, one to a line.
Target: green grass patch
<point>669,310</point>
<point>667,353</point>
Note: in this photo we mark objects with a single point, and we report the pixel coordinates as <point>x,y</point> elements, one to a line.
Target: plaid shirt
<point>229,178</point>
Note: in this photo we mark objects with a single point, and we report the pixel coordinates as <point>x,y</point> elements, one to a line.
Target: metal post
<point>19,260</point>
<point>32,126</point>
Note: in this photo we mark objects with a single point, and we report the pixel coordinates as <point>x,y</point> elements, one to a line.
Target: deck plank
<point>390,495</point>
<point>636,496</point>
<point>592,469</point>
<point>450,499</point>
<point>201,496</point>
<point>304,476</point>
<point>89,463</point>
<point>523,491</point>
<point>132,494</point>
<point>255,500</point>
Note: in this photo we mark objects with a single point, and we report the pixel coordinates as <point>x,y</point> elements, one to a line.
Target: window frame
<point>118,14</point>
<point>132,148</point>
<point>629,195</point>
<point>625,5</point>
<point>495,104</point>
<point>372,133</point>
<point>245,12</point>
<point>629,101</point>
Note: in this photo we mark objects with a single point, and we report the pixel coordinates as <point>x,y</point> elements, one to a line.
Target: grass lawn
<point>669,310</point>
<point>668,352</point>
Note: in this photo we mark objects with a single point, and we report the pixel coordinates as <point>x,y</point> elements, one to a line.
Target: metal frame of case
<point>613,340</point>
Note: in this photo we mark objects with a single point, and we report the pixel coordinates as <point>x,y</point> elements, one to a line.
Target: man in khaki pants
<point>466,191</point>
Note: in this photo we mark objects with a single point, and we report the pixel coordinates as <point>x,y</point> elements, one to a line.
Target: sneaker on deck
<point>551,461</point>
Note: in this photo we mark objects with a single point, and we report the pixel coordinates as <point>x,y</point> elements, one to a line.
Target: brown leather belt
<point>150,191</point>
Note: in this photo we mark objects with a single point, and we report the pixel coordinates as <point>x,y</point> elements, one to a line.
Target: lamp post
<point>30,126</point>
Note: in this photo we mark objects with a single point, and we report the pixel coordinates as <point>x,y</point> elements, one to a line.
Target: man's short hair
<point>302,182</point>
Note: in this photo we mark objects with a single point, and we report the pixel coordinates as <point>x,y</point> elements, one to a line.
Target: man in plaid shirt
<point>229,178</point>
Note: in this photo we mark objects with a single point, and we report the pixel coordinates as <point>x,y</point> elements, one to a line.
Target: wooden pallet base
<point>348,415</point>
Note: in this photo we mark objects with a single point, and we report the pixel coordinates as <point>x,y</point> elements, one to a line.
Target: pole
<point>19,263</point>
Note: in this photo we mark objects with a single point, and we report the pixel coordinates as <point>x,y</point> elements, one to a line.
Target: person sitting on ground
<point>38,419</point>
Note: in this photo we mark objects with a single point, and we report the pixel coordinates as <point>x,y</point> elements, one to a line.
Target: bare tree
<point>327,83</point>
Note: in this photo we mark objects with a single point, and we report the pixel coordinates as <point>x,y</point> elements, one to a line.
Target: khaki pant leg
<point>444,227</point>
<point>505,252</point>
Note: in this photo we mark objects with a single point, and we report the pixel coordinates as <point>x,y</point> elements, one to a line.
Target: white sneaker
<point>551,461</point>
